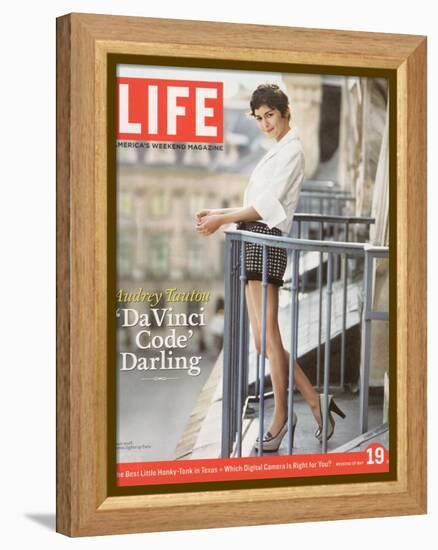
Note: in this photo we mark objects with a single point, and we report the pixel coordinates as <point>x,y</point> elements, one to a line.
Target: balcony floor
<point>305,442</point>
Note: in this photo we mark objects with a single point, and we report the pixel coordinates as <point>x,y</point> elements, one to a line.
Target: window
<point>158,204</point>
<point>159,255</point>
<point>196,258</point>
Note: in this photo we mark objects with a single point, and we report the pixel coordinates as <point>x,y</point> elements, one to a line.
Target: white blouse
<point>275,183</point>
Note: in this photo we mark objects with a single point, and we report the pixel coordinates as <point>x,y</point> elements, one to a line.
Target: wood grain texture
<point>63,344</point>
<point>320,44</point>
<point>416,287</point>
<point>83,505</point>
<point>402,268</point>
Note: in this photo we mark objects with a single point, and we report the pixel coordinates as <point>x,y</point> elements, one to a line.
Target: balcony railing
<point>324,199</point>
<point>303,223</point>
<point>236,337</point>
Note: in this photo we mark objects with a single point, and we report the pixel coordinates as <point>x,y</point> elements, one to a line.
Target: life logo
<point>169,110</point>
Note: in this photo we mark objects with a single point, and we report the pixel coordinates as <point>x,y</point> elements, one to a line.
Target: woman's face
<point>270,122</point>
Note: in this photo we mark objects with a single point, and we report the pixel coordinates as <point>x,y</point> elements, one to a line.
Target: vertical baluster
<point>366,343</point>
<point>327,353</point>
<point>227,380</point>
<point>245,388</point>
<point>235,333</point>
<point>263,350</point>
<point>293,348</point>
<point>302,232</point>
<point>335,231</point>
<point>344,312</point>
<point>241,348</point>
<point>320,268</point>
<point>297,296</point>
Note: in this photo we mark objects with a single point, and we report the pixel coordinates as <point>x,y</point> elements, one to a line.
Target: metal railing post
<point>344,312</point>
<point>366,342</point>
<point>335,230</point>
<point>235,285</point>
<point>293,349</point>
<point>318,352</point>
<point>327,352</point>
<point>297,294</point>
<point>226,444</point>
<point>241,349</point>
<point>263,350</point>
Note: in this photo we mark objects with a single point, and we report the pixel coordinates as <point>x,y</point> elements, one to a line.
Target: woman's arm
<point>227,210</point>
<point>211,222</point>
<point>206,211</point>
<point>243,214</point>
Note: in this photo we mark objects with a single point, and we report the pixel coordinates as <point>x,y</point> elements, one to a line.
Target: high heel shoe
<point>332,407</point>
<point>271,443</point>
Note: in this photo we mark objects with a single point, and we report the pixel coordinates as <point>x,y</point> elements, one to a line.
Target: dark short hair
<point>270,95</point>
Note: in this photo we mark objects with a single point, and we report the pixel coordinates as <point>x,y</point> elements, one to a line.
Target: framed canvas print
<point>237,308</point>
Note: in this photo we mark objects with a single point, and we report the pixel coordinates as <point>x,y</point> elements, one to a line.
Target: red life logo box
<point>150,109</point>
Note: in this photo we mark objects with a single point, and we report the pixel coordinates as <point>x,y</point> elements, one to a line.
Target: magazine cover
<point>252,303</point>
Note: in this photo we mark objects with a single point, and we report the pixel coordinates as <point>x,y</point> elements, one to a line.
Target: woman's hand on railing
<point>202,213</point>
<point>209,223</point>
<point>208,211</point>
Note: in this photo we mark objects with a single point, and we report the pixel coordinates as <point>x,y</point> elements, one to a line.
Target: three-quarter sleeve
<point>269,207</point>
<point>282,179</point>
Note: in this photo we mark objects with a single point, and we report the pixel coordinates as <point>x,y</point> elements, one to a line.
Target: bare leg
<point>306,389</point>
<point>278,356</point>
<point>274,347</point>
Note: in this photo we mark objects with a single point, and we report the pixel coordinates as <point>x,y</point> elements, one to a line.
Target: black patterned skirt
<point>277,257</point>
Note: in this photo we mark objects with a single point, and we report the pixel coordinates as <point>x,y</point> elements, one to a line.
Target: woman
<point>269,204</point>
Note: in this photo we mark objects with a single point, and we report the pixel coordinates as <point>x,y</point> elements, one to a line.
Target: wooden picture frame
<point>84,505</point>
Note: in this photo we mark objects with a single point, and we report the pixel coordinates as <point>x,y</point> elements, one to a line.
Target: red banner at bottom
<point>375,459</point>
